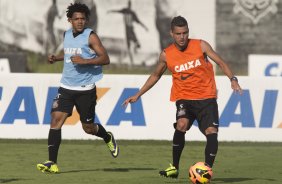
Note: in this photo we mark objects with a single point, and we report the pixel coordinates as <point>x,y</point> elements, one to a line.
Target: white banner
<point>265,65</point>
<point>25,102</point>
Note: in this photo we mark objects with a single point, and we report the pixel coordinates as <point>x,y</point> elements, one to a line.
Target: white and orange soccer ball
<point>200,173</point>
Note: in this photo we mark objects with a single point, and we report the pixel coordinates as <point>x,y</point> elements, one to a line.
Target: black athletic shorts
<point>204,111</point>
<point>84,101</point>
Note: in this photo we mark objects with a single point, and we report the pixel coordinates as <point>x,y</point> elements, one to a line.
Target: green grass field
<point>83,162</point>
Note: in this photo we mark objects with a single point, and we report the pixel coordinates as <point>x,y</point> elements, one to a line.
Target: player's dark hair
<point>77,7</point>
<point>179,22</point>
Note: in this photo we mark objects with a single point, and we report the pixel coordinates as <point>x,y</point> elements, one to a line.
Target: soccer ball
<point>200,173</point>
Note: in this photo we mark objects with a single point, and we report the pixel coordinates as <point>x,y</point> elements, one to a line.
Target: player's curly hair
<point>178,21</point>
<point>77,7</point>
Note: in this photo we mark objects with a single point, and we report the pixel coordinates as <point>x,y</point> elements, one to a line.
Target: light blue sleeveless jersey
<point>76,74</point>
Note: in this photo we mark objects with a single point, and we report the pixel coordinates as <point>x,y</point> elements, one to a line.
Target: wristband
<point>233,79</point>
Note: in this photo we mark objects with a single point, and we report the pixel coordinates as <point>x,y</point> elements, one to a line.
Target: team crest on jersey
<point>255,9</point>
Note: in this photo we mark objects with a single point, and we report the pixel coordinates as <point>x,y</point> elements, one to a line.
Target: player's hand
<point>77,59</point>
<point>51,59</point>
<point>131,99</point>
<point>236,87</point>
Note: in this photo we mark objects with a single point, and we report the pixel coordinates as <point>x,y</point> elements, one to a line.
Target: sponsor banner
<point>26,99</point>
<point>265,65</point>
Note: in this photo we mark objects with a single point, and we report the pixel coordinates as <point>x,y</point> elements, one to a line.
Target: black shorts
<point>84,101</point>
<point>204,111</point>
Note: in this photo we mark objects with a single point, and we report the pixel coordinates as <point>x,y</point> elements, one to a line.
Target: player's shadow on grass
<point>235,180</point>
<point>8,180</point>
<point>127,169</point>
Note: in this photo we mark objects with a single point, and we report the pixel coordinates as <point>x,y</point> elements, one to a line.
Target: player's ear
<point>69,20</point>
<point>171,33</point>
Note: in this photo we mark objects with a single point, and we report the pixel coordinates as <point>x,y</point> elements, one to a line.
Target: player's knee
<point>56,123</point>
<point>181,126</point>
<point>89,128</point>
<point>58,119</point>
<point>211,130</point>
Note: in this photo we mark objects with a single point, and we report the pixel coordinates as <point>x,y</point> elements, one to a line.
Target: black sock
<point>54,141</point>
<point>211,148</point>
<point>177,147</point>
<point>103,133</point>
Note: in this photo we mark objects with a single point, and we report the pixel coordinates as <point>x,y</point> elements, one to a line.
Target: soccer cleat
<point>112,145</point>
<point>48,166</point>
<point>170,172</point>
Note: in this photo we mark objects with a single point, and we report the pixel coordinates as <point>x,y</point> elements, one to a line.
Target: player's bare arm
<point>206,48</point>
<point>151,81</point>
<point>96,45</point>
<point>52,58</point>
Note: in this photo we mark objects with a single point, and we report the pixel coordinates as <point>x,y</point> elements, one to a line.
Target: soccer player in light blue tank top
<point>74,74</point>
<point>83,58</point>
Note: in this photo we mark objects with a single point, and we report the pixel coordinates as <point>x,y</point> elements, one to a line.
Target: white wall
<point>27,31</point>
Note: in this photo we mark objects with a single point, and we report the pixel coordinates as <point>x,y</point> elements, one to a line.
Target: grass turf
<point>88,161</point>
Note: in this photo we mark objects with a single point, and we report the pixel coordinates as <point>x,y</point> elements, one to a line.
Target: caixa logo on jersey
<point>23,106</point>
